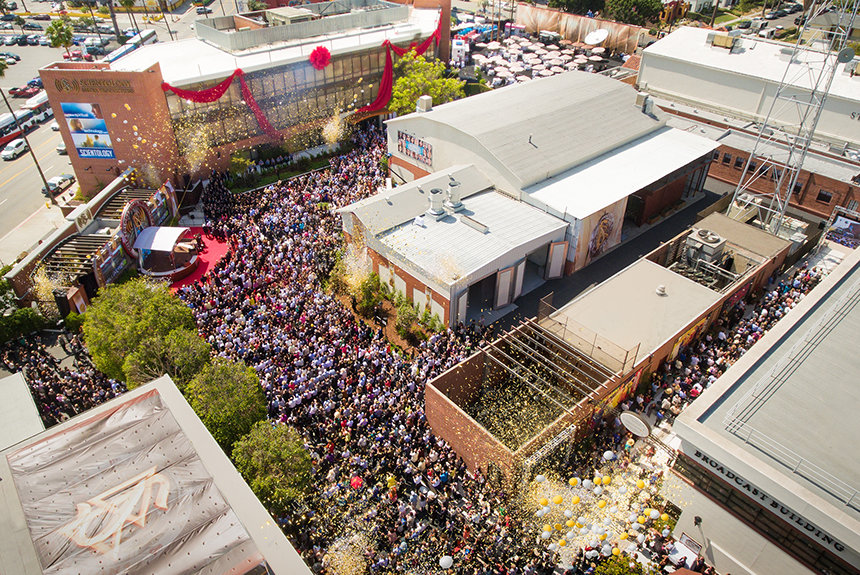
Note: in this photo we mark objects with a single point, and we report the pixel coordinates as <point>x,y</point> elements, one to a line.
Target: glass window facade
<point>783,534</point>
<point>294,95</point>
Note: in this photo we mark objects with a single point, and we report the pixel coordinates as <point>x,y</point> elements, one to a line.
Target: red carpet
<point>215,250</point>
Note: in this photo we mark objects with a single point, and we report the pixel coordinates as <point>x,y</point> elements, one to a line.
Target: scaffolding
<point>789,127</point>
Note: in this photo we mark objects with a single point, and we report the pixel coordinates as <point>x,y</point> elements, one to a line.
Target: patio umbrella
<point>571,66</point>
<point>598,50</point>
<point>541,52</point>
<point>539,44</point>
<point>480,45</point>
<point>493,46</point>
<point>551,47</point>
<point>556,69</point>
<point>523,78</point>
<point>555,62</point>
<point>503,73</point>
<point>596,58</point>
<point>545,73</point>
<point>565,57</point>
<point>538,67</point>
<point>565,42</point>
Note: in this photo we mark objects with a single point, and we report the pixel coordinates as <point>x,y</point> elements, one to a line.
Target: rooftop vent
<point>453,202</point>
<point>436,199</point>
<point>425,104</point>
<point>661,290</point>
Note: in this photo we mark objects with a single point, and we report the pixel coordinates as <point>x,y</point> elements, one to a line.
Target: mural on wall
<point>600,231</point>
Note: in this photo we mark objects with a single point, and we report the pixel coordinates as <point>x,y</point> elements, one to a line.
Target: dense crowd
<point>381,475</point>
<point>59,391</point>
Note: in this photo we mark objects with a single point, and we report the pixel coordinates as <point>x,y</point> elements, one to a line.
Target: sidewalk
<point>30,232</point>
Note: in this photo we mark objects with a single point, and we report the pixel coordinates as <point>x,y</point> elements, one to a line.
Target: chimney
<point>436,197</point>
<point>640,99</point>
<point>453,201</point>
<point>425,104</point>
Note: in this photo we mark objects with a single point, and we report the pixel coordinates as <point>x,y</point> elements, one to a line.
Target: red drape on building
<point>204,96</point>
<point>387,82</point>
<point>258,113</point>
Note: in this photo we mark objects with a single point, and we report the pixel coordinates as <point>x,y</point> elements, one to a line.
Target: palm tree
<point>60,34</point>
<point>113,18</point>
<point>20,23</point>
<point>128,4</point>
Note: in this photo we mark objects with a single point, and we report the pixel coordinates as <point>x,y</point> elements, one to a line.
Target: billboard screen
<point>89,131</point>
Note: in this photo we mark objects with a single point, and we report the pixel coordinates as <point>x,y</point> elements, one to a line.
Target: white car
<point>61,149</point>
<point>55,126</point>
<point>13,149</point>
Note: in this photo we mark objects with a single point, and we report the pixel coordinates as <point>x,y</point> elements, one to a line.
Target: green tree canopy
<point>577,6</point>
<point>623,565</point>
<point>128,5</point>
<point>637,12</point>
<point>123,317</point>
<point>181,355</point>
<point>60,33</point>
<point>418,77</point>
<point>255,5</point>
<point>273,461</point>
<point>228,399</point>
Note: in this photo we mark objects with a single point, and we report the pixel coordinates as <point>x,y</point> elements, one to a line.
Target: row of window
<point>783,534</point>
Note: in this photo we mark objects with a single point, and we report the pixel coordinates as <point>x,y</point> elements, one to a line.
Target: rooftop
<point>627,310</point>
<point>19,416</point>
<point>550,125</point>
<point>593,185</point>
<point>755,57</point>
<point>145,451</point>
<point>194,60</point>
<point>741,235</point>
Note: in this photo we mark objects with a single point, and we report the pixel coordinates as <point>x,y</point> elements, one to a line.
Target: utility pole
<point>30,148</point>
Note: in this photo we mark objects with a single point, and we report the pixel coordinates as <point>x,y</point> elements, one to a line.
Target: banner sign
<point>414,148</point>
<point>88,129</point>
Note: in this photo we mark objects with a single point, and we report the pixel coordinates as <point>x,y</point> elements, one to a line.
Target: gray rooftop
<point>626,310</point>
<point>144,469</point>
<point>19,416</point>
<point>750,238</point>
<point>785,414</point>
<point>571,118</point>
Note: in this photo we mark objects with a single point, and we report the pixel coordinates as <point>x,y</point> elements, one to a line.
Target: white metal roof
<point>158,238</point>
<point>758,58</point>
<point>449,250</point>
<point>19,417</point>
<point>192,60</point>
<point>590,187</point>
<point>539,129</point>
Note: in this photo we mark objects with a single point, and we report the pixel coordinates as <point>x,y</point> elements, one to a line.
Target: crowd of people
<point>60,391</point>
<point>380,472</point>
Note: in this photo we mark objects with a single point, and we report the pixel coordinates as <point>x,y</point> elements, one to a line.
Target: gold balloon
<point>602,536</point>
<point>573,481</point>
<point>544,501</point>
<point>559,526</point>
<point>616,551</point>
<point>557,499</point>
<point>640,484</point>
<point>575,500</point>
<point>641,519</point>
<point>607,480</point>
<point>665,517</point>
<point>570,522</point>
<point>623,536</point>
<point>601,503</point>
<point>562,542</point>
<point>547,527</point>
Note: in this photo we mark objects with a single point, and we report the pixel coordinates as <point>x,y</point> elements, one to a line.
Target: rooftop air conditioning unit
<point>705,245</point>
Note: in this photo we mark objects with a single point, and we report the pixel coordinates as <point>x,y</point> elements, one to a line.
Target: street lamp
<point>30,148</point>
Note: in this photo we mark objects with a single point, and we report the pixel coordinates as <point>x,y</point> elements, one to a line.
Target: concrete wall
<point>728,543</point>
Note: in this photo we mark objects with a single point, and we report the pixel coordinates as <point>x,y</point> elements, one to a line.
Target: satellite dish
<point>596,37</point>
<point>635,424</point>
<point>845,55</point>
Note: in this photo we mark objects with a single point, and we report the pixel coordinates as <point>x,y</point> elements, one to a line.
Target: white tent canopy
<point>158,239</point>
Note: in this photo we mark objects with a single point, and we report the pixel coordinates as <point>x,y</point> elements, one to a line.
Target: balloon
<point>546,509</point>
<point>640,484</point>
<point>570,534</point>
<point>631,518</point>
<point>583,531</point>
<point>641,519</point>
<point>575,500</point>
<point>558,527</point>
<point>598,490</point>
<point>574,481</point>
<point>568,513</point>
<point>570,522</point>
<point>594,543</point>
<point>622,490</point>
<point>540,513</point>
<point>587,484</point>
<point>666,532</point>
<point>553,546</point>
<point>606,480</point>
<point>545,535</point>
<point>655,514</point>
<point>636,527</point>
<point>562,542</point>
<point>613,509</point>
<point>580,519</point>
<point>446,561</point>
<point>547,527</point>
<point>592,554</point>
<point>665,517</point>
<point>602,536</point>
<point>607,521</point>
<point>601,504</point>
<point>608,456</point>
<point>606,550</point>
<point>540,478</point>
<point>640,538</point>
<point>544,502</point>
<point>557,499</point>
<point>616,551</point>
<point>623,536</point>
<point>127,107</point>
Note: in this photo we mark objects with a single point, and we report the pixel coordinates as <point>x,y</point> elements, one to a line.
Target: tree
<point>418,77</point>
<point>273,461</point>
<point>19,22</point>
<point>577,6</point>
<point>181,355</point>
<point>623,565</point>
<point>60,34</point>
<point>636,12</point>
<point>113,18</point>
<point>4,7</point>
<point>128,5</point>
<point>257,5</point>
<point>228,399</point>
<point>125,316</point>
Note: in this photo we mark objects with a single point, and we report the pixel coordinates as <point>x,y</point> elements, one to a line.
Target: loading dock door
<point>520,272</point>
<point>557,256</point>
<point>504,284</point>
<point>462,303</point>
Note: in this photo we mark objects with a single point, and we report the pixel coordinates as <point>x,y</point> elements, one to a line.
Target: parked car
<point>13,149</point>
<point>204,10</point>
<point>6,26</point>
<point>55,126</point>
<point>10,40</point>
<point>44,41</point>
<point>781,13</point>
<point>78,40</point>
<point>7,18</point>
<point>11,6</point>
<point>744,25</point>
<point>32,26</point>
<point>61,149</point>
<point>770,16</point>
<point>36,82</point>
<point>33,39</point>
<point>800,20</point>
<point>59,183</point>
<point>21,40</point>
<point>12,55</point>
<point>42,17</point>
<point>96,50</point>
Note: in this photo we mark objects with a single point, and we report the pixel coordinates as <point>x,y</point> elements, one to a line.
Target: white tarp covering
<point>158,239</point>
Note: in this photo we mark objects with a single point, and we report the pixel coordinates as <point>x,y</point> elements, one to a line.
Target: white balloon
<point>553,546</point>
<point>636,527</point>
<point>568,513</point>
<point>540,478</point>
<point>640,538</point>
<point>546,509</point>
<point>613,509</point>
<point>607,521</point>
<point>666,532</point>
<point>540,512</point>
<point>608,456</point>
<point>655,514</point>
<point>594,543</point>
<point>545,535</point>
<point>570,534</point>
<point>598,490</point>
<point>588,484</point>
<point>583,531</point>
<point>622,490</point>
<point>581,520</point>
<point>606,550</point>
<point>631,518</point>
<point>446,562</point>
